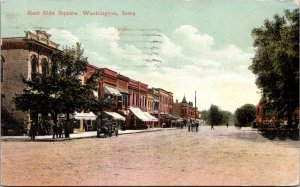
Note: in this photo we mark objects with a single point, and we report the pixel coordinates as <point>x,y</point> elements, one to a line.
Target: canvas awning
<point>152,118</point>
<point>116,115</point>
<point>169,116</point>
<point>139,114</point>
<point>85,116</point>
<point>111,91</point>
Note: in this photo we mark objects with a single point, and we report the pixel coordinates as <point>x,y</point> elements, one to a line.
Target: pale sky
<point>178,45</point>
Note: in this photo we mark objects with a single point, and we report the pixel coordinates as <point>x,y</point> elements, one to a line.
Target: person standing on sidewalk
<point>66,129</point>
<point>33,130</point>
<point>54,129</point>
<point>227,125</point>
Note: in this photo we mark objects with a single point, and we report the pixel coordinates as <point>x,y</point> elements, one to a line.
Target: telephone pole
<point>195,106</point>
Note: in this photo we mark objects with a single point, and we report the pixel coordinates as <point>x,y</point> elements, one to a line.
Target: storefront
<point>140,118</point>
<point>85,121</point>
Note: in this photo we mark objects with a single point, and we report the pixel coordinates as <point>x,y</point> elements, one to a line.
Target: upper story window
<point>34,66</point>
<point>2,61</point>
<point>45,67</point>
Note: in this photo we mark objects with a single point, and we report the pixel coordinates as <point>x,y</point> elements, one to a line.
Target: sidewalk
<point>80,135</point>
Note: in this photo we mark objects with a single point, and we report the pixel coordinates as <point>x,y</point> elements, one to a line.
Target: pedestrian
<point>212,127</point>
<point>197,126</point>
<point>54,129</point>
<point>189,126</point>
<point>193,126</point>
<point>66,130</point>
<point>32,131</point>
<point>60,128</point>
<point>227,125</point>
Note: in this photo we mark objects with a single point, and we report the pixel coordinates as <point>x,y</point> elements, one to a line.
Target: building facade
<point>165,101</point>
<point>138,94</point>
<point>185,110</point>
<point>23,57</point>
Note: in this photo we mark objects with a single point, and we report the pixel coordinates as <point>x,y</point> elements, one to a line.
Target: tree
<point>276,63</point>
<point>245,115</point>
<point>215,115</point>
<point>59,90</point>
<point>204,115</point>
<point>227,117</point>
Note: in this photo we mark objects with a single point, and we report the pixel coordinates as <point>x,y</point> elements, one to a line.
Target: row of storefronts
<point>136,103</point>
<point>140,105</point>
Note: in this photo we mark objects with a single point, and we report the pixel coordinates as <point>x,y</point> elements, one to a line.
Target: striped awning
<point>116,115</point>
<point>85,116</point>
<point>139,114</point>
<point>152,118</point>
<point>111,91</point>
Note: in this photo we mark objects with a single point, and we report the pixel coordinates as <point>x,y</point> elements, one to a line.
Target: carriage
<point>108,129</point>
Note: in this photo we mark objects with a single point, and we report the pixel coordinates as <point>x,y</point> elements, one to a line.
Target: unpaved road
<point>170,157</point>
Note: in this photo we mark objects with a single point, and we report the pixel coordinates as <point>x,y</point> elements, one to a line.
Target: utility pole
<point>195,106</point>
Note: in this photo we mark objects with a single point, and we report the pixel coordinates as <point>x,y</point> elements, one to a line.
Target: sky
<point>181,46</point>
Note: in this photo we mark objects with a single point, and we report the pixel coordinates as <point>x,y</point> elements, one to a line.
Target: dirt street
<point>170,157</point>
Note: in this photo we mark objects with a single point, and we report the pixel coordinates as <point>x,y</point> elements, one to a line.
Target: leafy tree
<point>276,63</point>
<point>204,115</point>
<point>245,115</point>
<point>227,117</point>
<point>59,91</point>
<point>215,115</point>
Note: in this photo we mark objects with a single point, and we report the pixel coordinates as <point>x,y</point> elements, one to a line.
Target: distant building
<point>161,105</point>
<point>185,110</point>
<point>22,56</point>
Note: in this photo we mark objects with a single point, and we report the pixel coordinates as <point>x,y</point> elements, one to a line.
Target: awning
<point>85,116</point>
<point>138,113</point>
<point>122,91</point>
<point>116,115</point>
<point>111,91</point>
<point>152,118</point>
<point>179,119</point>
<point>169,116</point>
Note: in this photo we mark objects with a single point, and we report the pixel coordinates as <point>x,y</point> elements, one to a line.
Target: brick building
<point>161,104</point>
<point>150,103</point>
<point>185,110</point>
<point>138,94</point>
<point>165,101</point>
<point>111,85</point>
<point>22,56</point>
<point>154,106</point>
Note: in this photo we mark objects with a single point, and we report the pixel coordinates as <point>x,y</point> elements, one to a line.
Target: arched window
<point>2,61</point>
<point>45,68</point>
<point>34,66</point>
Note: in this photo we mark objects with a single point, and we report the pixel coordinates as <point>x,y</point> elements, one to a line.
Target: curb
<point>27,139</point>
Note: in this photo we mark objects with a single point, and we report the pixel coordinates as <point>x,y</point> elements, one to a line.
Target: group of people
<point>58,129</point>
<point>193,126</point>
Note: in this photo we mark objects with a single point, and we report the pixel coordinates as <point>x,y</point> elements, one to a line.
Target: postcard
<point>149,92</point>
